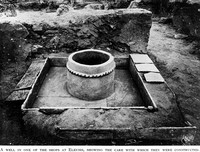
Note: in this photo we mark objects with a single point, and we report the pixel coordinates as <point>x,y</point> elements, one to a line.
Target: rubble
<point>125,30</point>
<point>95,6</point>
<point>63,8</point>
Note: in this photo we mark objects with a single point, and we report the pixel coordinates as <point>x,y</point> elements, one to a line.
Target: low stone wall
<point>111,30</point>
<point>122,31</point>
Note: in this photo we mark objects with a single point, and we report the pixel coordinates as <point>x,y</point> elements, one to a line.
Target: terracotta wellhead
<point>90,74</point>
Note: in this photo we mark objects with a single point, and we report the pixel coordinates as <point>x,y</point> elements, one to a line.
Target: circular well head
<point>91,62</point>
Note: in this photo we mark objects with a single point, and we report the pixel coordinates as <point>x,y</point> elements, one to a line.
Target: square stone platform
<point>138,109</point>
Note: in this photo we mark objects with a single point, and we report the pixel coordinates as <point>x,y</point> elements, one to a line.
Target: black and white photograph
<point>99,75</point>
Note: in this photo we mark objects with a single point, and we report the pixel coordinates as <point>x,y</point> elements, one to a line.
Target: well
<point>90,74</point>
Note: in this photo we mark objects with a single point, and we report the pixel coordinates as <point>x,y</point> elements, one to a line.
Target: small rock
<point>2,7</point>
<point>101,111</point>
<point>165,20</point>
<point>139,126</point>
<point>55,40</point>
<point>32,50</point>
<point>52,6</point>
<point>84,32</point>
<point>27,51</point>
<point>133,4</point>
<point>113,142</point>
<point>106,6</point>
<point>10,11</point>
<point>36,48</point>
<point>63,8</point>
<point>150,108</point>
<point>51,32</point>
<point>44,37</point>
<point>131,142</point>
<point>94,6</point>
<point>17,30</point>
<point>91,126</point>
<point>180,36</point>
<point>37,27</point>
<point>193,2</point>
<point>84,43</point>
<point>34,35</point>
<point>169,35</point>
<point>59,11</point>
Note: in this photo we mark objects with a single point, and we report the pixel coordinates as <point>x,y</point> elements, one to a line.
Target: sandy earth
<point>177,59</point>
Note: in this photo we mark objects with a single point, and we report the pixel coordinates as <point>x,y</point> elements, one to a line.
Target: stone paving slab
<point>146,68</point>
<point>28,79</point>
<point>141,58</point>
<point>153,77</point>
<point>23,87</point>
<point>19,95</point>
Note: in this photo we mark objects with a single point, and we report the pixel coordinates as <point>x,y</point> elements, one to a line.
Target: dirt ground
<point>179,63</point>
<point>177,59</point>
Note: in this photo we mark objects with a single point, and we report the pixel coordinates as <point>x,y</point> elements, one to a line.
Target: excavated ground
<point>177,59</point>
<point>179,63</point>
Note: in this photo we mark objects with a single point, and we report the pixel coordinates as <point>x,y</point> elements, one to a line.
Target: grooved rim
<point>96,70</point>
<point>90,75</point>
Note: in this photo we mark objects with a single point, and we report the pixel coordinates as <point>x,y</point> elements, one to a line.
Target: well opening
<point>90,58</point>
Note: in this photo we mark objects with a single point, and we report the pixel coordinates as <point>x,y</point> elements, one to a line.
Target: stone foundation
<point>122,30</point>
<point>118,30</point>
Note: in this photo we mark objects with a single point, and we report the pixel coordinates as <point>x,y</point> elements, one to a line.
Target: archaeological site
<point>100,72</point>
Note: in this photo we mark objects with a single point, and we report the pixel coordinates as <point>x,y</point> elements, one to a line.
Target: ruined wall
<point>122,32</point>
